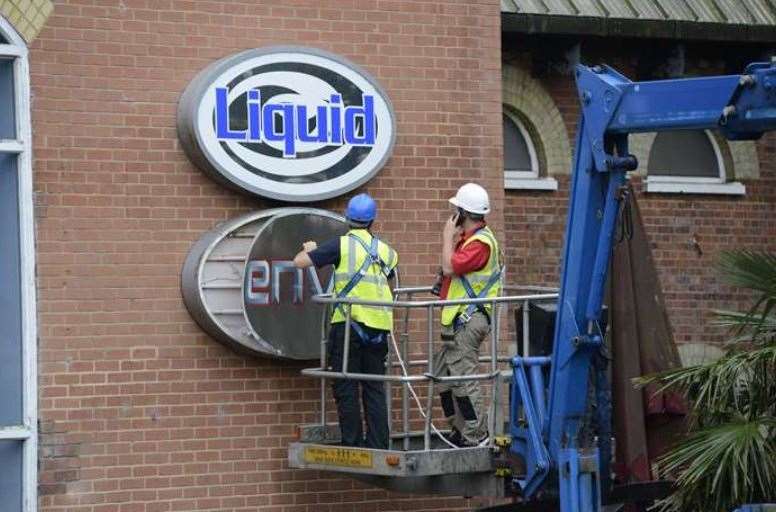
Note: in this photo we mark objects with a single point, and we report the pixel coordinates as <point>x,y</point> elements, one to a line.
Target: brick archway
<point>27,16</point>
<point>527,96</point>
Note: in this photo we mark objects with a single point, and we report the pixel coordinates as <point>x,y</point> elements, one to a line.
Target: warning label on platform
<point>345,457</point>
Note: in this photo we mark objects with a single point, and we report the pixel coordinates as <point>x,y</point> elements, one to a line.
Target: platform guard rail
<point>540,294</point>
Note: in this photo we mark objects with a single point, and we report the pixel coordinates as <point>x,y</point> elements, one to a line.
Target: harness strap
<point>372,259</point>
<point>494,277</point>
<point>371,251</point>
<point>492,280</point>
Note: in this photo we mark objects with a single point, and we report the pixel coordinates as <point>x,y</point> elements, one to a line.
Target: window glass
<point>687,154</point>
<point>3,40</point>
<point>517,156</point>
<point>11,387</point>
<point>7,102</point>
<point>11,475</point>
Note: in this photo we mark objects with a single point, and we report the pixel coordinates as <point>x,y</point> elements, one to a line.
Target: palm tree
<point>729,455</point>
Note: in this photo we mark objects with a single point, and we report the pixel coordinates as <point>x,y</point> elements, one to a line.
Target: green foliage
<point>729,457</point>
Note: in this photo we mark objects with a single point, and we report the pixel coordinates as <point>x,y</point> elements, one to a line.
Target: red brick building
<point>137,408</point>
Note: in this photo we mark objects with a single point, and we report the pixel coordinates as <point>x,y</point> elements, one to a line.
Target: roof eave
<point>641,28</point>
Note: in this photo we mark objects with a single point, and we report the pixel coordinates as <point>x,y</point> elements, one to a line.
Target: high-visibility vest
<point>477,279</point>
<point>372,286</point>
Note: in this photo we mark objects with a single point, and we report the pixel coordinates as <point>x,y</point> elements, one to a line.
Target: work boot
<point>454,437</point>
<point>466,443</point>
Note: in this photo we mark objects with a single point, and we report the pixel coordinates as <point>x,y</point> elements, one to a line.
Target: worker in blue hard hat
<point>363,264</point>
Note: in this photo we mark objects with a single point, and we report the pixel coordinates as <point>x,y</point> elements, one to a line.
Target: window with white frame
<point>521,157</point>
<point>688,162</point>
<point>18,347</point>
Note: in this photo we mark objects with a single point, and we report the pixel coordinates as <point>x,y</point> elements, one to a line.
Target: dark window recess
<point>7,102</point>
<point>11,383</point>
<point>683,153</point>
<point>516,154</point>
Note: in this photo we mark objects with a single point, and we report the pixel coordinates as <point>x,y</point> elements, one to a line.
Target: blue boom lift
<point>550,436</point>
<point>563,455</point>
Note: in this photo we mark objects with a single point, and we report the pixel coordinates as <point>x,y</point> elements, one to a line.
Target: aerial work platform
<point>443,470</point>
<point>421,460</point>
<point>560,420</point>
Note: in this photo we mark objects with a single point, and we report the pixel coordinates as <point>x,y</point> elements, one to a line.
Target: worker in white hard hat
<point>471,268</point>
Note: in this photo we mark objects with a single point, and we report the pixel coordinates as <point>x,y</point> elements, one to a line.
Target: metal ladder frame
<point>495,375</point>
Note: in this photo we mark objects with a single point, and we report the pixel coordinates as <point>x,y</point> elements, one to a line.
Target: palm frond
<point>723,386</point>
<point>730,456</point>
<point>725,465</point>
<point>724,318</point>
<point>757,272</point>
<point>749,269</point>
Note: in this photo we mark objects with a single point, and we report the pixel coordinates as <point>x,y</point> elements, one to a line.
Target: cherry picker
<point>549,396</point>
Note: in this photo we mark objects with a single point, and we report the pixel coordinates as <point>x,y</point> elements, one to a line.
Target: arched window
<point>536,142</point>
<point>691,155</point>
<point>18,348</point>
<point>520,159</point>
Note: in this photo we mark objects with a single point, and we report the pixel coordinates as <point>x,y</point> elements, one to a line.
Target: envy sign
<point>241,287</point>
<point>264,282</point>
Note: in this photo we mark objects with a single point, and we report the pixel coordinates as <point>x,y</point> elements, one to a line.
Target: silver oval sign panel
<point>240,285</point>
<point>287,123</point>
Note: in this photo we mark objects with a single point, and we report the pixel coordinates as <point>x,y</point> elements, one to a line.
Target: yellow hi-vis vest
<point>477,279</point>
<point>372,286</point>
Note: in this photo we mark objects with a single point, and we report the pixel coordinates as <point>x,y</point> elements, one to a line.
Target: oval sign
<point>287,123</point>
<point>277,297</point>
<point>240,285</point>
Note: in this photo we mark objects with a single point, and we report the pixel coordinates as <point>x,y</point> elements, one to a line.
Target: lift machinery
<point>552,436</point>
<point>563,450</point>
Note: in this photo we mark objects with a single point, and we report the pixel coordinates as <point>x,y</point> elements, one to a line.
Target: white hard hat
<point>472,198</point>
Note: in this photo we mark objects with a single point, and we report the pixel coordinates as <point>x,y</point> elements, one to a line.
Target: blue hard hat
<point>361,208</point>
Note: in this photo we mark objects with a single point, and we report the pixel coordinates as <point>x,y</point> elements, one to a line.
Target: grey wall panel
<point>11,476</point>
<point>7,105</point>
<point>10,296</point>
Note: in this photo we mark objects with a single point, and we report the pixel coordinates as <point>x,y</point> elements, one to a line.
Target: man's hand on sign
<point>309,246</point>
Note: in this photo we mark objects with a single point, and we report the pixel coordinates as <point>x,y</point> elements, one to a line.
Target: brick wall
<point>139,410</point>
<point>535,221</point>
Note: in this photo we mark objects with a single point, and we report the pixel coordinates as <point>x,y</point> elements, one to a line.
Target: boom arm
<point>741,107</point>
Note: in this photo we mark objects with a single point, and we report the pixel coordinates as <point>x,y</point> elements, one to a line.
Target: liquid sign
<point>287,123</point>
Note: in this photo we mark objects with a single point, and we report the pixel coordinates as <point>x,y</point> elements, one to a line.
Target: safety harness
<point>464,317</point>
<point>372,259</point>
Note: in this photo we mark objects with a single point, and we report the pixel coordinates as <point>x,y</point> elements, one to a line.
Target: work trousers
<point>462,401</point>
<point>362,358</point>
